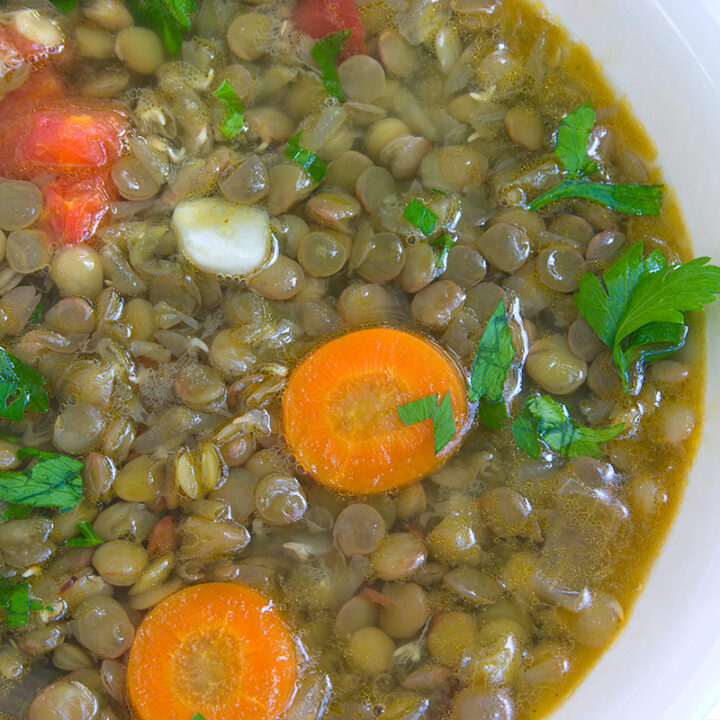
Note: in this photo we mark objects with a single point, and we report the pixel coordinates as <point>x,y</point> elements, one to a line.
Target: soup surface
<point>226,316</point>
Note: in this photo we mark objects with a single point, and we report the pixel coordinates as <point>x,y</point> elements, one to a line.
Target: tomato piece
<point>77,206</point>
<point>71,138</point>
<point>318,18</point>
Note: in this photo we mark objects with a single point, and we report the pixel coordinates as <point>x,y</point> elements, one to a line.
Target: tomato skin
<point>75,207</point>
<point>65,139</point>
<point>318,18</point>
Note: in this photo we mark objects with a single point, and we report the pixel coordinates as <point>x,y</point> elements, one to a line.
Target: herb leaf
<point>420,216</point>
<point>631,199</point>
<point>16,512</point>
<point>604,308</point>
<point>65,6</point>
<point>198,716</point>
<point>89,536</point>
<point>168,18</point>
<point>313,164</point>
<point>36,316</point>
<point>53,481</point>
<point>15,600</point>
<point>547,419</point>
<point>324,53</point>
<point>572,141</point>
<point>428,408</point>
<point>655,341</point>
<point>444,242</point>
<point>234,109</point>
<point>20,387</point>
<point>490,368</point>
<point>660,298</point>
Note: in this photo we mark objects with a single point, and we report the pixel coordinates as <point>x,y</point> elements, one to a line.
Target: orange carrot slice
<point>340,410</point>
<point>218,649</point>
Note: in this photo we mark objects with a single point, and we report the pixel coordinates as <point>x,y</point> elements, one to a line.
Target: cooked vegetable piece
<point>638,308</point>
<point>309,161</point>
<point>21,387</point>
<point>77,207</point>
<point>88,536</point>
<point>219,647</point>
<point>70,138</point>
<point>571,149</point>
<point>324,53</point>
<point>546,419</point>
<point>234,109</point>
<point>420,216</point>
<point>16,512</point>
<point>340,410</point>
<point>53,481</point>
<point>219,236</point>
<point>319,18</point>
<point>490,368</point>
<point>432,408</point>
<point>168,18</point>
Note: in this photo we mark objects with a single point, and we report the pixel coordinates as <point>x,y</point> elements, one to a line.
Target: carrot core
<point>340,409</point>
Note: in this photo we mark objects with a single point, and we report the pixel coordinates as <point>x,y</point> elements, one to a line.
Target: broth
<point>488,588</point>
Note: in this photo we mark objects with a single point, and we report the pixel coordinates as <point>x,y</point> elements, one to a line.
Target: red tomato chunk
<point>318,18</point>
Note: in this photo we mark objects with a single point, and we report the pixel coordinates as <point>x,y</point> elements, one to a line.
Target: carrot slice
<point>218,649</point>
<point>340,410</point>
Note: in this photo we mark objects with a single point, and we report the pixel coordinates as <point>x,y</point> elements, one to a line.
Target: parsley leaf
<point>444,242</point>
<point>639,310</point>
<point>428,408</point>
<point>546,419</point>
<point>36,316</point>
<point>572,141</point>
<point>89,536</point>
<point>168,18</point>
<point>661,297</point>
<point>490,368</point>
<point>20,387</point>
<point>571,149</point>
<point>65,6</point>
<point>234,109</point>
<point>324,53</point>
<point>16,512</point>
<point>53,481</point>
<point>198,716</point>
<point>630,199</point>
<point>603,308</point>
<point>15,600</point>
<point>421,217</point>
<point>306,159</point>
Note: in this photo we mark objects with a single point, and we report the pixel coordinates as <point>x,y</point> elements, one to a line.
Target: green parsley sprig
<point>420,216</point>
<point>88,536</point>
<point>53,481</point>
<point>638,308</point>
<point>234,110</point>
<point>324,53</point>
<point>21,387</point>
<point>309,161</point>
<point>571,149</point>
<point>490,368</point>
<point>15,600</point>
<point>428,408</point>
<point>546,419</point>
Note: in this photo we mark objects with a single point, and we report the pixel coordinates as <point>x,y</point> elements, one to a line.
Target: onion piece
<point>218,236</point>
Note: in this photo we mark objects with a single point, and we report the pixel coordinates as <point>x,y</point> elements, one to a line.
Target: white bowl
<point>664,55</point>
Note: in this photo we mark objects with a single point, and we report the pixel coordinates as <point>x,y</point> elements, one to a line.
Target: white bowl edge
<point>665,54</point>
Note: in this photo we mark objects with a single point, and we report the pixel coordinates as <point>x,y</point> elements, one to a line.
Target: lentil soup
<point>310,407</point>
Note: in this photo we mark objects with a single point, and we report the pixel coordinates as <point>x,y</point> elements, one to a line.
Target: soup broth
<point>486,587</point>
